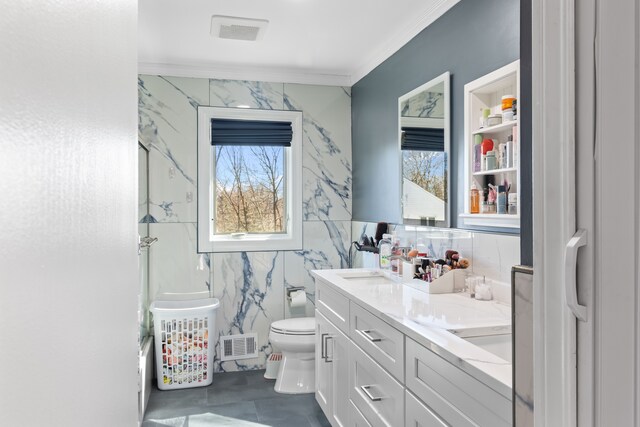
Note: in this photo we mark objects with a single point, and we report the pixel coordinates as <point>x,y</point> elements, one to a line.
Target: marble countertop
<point>427,319</point>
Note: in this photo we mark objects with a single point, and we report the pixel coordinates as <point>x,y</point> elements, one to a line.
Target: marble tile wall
<point>250,285</point>
<point>523,387</point>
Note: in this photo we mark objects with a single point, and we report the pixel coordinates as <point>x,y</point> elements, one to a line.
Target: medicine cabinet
<point>481,97</point>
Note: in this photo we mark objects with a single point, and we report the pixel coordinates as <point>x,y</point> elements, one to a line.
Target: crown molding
<point>263,74</point>
<point>394,44</point>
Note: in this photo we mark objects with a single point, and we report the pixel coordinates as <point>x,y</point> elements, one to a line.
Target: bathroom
<point>74,235</point>
<point>252,286</point>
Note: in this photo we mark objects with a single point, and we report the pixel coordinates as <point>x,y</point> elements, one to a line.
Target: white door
<point>586,194</point>
<point>617,222</point>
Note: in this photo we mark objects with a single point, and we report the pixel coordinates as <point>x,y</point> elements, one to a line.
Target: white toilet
<point>296,338</point>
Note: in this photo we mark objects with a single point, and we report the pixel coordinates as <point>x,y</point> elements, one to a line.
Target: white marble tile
<point>234,93</point>
<point>327,193</point>
<point>523,335</point>
<point>495,254</point>
<point>167,125</point>
<point>174,264</point>
<point>250,288</point>
<point>325,245</point>
<point>360,229</point>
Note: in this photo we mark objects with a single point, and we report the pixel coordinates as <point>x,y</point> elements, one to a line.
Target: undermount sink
<point>495,340</point>
<point>366,277</point>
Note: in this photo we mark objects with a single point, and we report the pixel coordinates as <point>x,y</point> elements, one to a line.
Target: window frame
<point>208,241</point>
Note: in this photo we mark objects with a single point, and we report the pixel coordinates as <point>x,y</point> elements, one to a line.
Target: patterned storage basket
<point>184,354</point>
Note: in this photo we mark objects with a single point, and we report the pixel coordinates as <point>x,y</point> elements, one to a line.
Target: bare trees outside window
<point>427,170</point>
<point>249,189</point>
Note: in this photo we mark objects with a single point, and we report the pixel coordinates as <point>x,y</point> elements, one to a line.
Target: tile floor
<point>241,399</point>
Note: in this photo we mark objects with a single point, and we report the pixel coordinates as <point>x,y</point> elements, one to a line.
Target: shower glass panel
<point>143,231</point>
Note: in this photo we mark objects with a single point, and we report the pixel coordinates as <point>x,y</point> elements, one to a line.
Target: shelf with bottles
<point>499,128</point>
<point>491,149</point>
<point>495,171</point>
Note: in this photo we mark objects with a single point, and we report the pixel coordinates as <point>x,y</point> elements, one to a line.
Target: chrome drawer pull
<point>365,390</point>
<point>326,350</point>
<point>322,345</point>
<point>367,335</point>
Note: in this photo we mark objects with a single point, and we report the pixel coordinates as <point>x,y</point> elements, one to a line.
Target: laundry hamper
<point>184,352</point>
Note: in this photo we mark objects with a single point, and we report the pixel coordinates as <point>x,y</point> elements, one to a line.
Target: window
<point>249,180</point>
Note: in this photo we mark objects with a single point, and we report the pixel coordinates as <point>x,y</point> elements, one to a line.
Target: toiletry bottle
<point>502,199</point>
<point>475,199</point>
<point>513,203</point>
<point>477,153</point>
<point>395,250</point>
<point>490,158</point>
<point>384,249</point>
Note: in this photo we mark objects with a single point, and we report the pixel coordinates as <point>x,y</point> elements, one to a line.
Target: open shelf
<point>496,128</point>
<point>491,220</point>
<point>495,171</point>
<point>484,93</point>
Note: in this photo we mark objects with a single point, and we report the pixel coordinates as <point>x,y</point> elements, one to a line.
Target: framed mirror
<point>424,138</point>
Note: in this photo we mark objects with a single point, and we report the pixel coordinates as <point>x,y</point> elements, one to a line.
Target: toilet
<point>296,339</point>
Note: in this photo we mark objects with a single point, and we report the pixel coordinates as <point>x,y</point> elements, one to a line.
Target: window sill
<point>251,244</point>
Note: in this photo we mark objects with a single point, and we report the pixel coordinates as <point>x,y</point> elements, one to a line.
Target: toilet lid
<point>295,326</point>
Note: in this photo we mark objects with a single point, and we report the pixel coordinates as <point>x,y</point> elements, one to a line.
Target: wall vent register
<point>235,347</point>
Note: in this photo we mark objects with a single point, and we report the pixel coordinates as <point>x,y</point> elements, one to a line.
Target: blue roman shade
<point>422,139</point>
<point>251,133</point>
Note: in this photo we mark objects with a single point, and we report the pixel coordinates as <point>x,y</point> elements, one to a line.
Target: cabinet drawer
<point>382,342</point>
<point>419,415</point>
<point>457,397</point>
<point>378,396</point>
<point>356,419</point>
<point>333,305</point>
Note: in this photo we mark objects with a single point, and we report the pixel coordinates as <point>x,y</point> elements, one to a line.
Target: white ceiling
<point>307,41</point>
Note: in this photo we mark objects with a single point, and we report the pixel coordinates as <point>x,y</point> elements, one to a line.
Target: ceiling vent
<point>234,28</point>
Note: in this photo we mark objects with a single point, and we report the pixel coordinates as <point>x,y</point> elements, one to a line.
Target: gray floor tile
<point>242,399</point>
<point>233,414</point>
<point>291,407</point>
<point>287,420</point>
<point>254,389</point>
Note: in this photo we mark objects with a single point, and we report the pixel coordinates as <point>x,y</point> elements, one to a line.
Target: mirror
<point>424,134</point>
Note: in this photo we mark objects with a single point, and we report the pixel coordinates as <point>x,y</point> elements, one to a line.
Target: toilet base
<point>297,373</point>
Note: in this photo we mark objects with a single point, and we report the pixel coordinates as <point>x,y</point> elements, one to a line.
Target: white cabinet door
<point>378,396</point>
<point>323,369</point>
<point>337,349</point>
<point>332,371</point>
<point>356,419</point>
<point>417,414</point>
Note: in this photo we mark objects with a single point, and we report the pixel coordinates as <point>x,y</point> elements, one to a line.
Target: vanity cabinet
<point>356,419</point>
<point>332,372</point>
<point>417,414</point>
<point>382,342</point>
<point>370,374</point>
<point>486,93</point>
<point>376,394</point>
<point>457,398</point>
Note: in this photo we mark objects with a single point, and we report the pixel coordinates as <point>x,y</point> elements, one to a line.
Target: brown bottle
<point>475,199</point>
